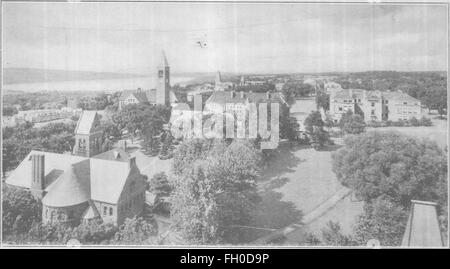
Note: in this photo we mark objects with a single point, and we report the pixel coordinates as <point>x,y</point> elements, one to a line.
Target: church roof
<point>55,165</point>
<point>71,179</point>
<point>71,188</point>
<point>86,122</point>
<point>116,154</point>
<point>108,179</point>
<point>422,228</point>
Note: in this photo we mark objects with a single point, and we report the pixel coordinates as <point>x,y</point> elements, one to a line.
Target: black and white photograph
<point>211,124</point>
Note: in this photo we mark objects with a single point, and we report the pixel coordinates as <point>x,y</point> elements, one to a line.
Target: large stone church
<point>89,184</point>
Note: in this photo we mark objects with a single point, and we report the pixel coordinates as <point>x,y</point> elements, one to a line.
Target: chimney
<point>350,92</point>
<point>37,171</point>
<point>123,144</point>
<point>131,162</point>
<point>242,94</point>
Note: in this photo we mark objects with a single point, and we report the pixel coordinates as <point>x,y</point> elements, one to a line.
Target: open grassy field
<point>437,132</point>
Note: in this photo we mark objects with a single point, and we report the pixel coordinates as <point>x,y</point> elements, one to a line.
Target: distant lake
<point>107,85</point>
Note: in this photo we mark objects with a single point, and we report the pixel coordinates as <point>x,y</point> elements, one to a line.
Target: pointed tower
<point>163,86</point>
<point>218,78</point>
<point>88,135</point>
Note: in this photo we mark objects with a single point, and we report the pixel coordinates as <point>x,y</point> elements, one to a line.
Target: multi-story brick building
<point>374,105</point>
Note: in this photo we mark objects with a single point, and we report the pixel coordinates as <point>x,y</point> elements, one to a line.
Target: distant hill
<point>35,75</point>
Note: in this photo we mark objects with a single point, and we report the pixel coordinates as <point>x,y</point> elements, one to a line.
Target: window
<point>110,211</point>
<point>160,73</point>
<point>359,100</point>
<point>373,104</point>
<point>105,210</point>
<point>372,112</point>
<point>405,103</point>
<point>386,102</point>
<point>340,108</point>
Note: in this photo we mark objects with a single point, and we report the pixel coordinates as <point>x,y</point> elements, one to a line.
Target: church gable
<point>88,123</point>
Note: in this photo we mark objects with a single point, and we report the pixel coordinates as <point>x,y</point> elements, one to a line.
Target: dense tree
<point>20,140</point>
<point>159,185</point>
<point>314,128</point>
<point>323,100</point>
<point>9,110</point>
<point>436,98</point>
<point>135,231</point>
<point>382,220</point>
<point>266,87</point>
<point>216,191</point>
<point>166,146</point>
<point>333,236</point>
<point>352,123</point>
<point>19,210</point>
<point>391,165</point>
<point>293,90</point>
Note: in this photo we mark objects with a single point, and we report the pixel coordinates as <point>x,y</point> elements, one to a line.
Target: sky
<point>230,37</point>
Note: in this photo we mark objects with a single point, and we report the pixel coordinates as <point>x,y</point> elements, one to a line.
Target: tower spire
<point>164,59</point>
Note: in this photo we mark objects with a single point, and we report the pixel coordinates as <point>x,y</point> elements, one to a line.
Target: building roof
<point>86,122</point>
<point>108,179</point>
<point>399,96</point>
<point>55,164</point>
<point>237,97</point>
<point>71,179</point>
<point>349,94</point>
<point>422,228</point>
<point>71,188</point>
<point>116,154</point>
<point>145,96</point>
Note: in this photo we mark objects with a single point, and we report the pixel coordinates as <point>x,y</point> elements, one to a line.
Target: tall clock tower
<point>163,85</point>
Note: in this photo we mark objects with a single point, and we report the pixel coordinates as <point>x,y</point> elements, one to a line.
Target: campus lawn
<point>295,184</point>
<point>437,132</point>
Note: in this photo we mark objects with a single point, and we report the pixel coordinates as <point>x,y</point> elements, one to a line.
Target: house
<point>374,105</point>
<point>162,95</point>
<point>422,228</point>
<point>89,184</point>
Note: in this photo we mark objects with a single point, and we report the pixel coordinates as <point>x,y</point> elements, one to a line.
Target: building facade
<point>374,105</point>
